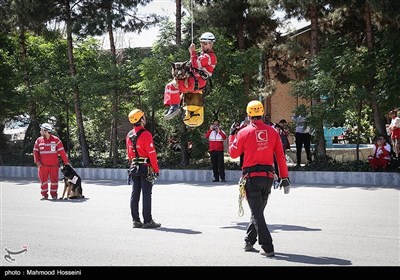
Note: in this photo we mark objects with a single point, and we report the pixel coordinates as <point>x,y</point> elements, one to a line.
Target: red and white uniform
<point>45,153</point>
<point>145,148</point>
<point>394,128</point>
<point>380,157</point>
<point>259,142</point>
<point>205,62</point>
<point>215,140</point>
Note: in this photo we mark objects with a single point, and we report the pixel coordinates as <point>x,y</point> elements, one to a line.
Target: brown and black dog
<point>181,70</point>
<point>72,183</point>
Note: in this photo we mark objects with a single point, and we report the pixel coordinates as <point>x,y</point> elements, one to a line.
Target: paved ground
<point>315,225</point>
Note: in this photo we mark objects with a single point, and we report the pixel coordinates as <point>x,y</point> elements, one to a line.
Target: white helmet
<point>207,37</point>
<point>47,127</point>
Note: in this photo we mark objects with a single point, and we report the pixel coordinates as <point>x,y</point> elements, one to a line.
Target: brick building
<point>281,103</point>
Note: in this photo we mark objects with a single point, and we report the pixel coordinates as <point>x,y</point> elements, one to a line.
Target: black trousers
<point>303,139</point>
<point>140,184</point>
<point>257,193</point>
<point>217,161</point>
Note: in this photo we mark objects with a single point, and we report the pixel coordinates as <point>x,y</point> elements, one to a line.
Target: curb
<point>391,179</point>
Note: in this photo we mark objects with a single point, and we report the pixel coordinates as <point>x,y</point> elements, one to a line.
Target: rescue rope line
<point>192,17</point>
<point>242,195</point>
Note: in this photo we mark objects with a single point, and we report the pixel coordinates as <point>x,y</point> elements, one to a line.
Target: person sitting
<point>380,158</point>
<point>202,66</point>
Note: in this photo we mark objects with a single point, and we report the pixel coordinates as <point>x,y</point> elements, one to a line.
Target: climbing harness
<point>242,194</point>
<point>138,162</point>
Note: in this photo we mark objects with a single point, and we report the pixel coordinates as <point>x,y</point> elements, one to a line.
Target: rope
<point>242,195</point>
<point>192,18</point>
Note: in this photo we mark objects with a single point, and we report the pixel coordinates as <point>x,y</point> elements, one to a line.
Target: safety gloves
<point>285,183</point>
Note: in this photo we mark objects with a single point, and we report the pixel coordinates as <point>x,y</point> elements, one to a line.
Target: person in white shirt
<point>302,136</point>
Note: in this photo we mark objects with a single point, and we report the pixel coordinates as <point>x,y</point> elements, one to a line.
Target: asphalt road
<point>314,225</point>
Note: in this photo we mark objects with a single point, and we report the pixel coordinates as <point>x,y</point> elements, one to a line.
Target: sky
<point>147,37</point>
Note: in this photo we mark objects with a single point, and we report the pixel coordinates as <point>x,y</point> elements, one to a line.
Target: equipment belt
<point>139,161</point>
<point>258,168</point>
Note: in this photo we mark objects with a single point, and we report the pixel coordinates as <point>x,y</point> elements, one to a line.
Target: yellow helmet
<point>255,108</point>
<point>135,115</point>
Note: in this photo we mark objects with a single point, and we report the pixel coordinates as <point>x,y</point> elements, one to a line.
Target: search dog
<point>72,183</point>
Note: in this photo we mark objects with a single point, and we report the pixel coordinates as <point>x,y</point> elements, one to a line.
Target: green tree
<point>105,16</point>
<point>67,11</point>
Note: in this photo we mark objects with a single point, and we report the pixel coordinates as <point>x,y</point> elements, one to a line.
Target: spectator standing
<point>394,129</point>
<point>216,137</point>
<point>281,128</point>
<point>267,120</point>
<point>303,135</point>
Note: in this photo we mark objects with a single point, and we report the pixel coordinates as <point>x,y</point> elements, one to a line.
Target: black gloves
<point>285,183</point>
<point>234,128</point>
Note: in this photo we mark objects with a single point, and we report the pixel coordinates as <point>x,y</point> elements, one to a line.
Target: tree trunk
<point>378,122</point>
<point>319,129</point>
<point>75,89</point>
<point>359,127</point>
<point>32,132</point>
<point>178,20</point>
<point>178,41</point>
<point>241,44</point>
<point>114,121</point>
<point>267,80</point>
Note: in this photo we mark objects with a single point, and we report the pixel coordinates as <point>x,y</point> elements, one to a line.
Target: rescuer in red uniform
<point>259,142</point>
<point>46,150</point>
<point>144,168</point>
<point>202,69</point>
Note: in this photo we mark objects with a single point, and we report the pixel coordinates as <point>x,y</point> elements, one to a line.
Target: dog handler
<point>144,168</point>
<point>46,150</point>
<point>259,142</point>
<point>202,68</point>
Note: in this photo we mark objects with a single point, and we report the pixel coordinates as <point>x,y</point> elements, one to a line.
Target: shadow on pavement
<point>178,230</point>
<point>274,227</point>
<point>310,260</point>
<point>77,200</point>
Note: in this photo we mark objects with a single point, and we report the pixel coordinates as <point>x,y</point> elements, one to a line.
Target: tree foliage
<point>345,74</point>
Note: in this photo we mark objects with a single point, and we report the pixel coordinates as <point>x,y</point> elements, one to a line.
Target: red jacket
<point>215,140</point>
<point>144,146</point>
<point>46,151</point>
<point>205,62</point>
<point>259,142</point>
<point>382,152</point>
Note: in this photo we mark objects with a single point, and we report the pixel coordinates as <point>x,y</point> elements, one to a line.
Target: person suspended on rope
<point>202,68</point>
